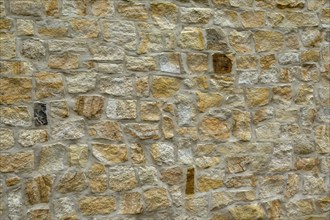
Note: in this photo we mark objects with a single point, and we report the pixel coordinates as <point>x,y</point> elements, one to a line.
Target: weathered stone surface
<point>241,125</point>
<point>15,116</point>
<point>207,100</point>
<point>74,130</point>
<point>53,28</point>
<point>192,38</point>
<point>196,205</point>
<point>121,109</point>
<point>102,8</point>
<point>122,178</point>
<point>133,11</point>
<point>120,32</point>
<point>227,18</point>
<point>196,15</point>
<point>15,204</point>
<point>74,8</point>
<point>300,19</point>
<point>131,203</point>
<point>150,111</point>
<point>156,199</point>
<point>81,82</point>
<point>85,28</point>
<point>90,106</point>
<point>117,86</point>
<point>110,153</point>
<point>38,189</point>
<point>103,51</point>
<point>52,158</point>
<point>78,155</point>
<point>241,41</point>
<point>254,211</point>
<point>300,207</point>
<point>72,181</point>
<point>26,7</point>
<point>65,208</point>
<point>163,153</point>
<point>101,205</point>
<point>41,214</point>
<point>8,48</point>
<point>143,131</point>
<point>212,128</point>
<point>164,87</point>
<point>7,138</point>
<point>271,186</point>
<point>28,138</point>
<point>16,67</point>
<point>33,49</point>
<point>141,64</point>
<point>17,162</point>
<point>106,130</point>
<point>268,41</point>
<point>63,61</point>
<point>197,62</point>
<point>206,183</point>
<point>164,14</point>
<point>15,90</point>
<point>49,85</point>
<point>257,97</point>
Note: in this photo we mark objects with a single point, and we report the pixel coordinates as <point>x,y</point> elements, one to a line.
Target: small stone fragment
<point>190,181</point>
<point>143,131</point>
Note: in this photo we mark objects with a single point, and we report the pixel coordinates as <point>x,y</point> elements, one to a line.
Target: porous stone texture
<point>164,110</point>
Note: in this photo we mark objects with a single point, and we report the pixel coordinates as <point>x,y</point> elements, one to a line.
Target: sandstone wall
<point>155,109</point>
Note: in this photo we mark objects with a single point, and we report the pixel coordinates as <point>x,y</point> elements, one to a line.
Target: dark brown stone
<point>190,181</point>
<point>221,63</point>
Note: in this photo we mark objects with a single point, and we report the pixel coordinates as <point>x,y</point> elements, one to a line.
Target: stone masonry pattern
<point>164,110</point>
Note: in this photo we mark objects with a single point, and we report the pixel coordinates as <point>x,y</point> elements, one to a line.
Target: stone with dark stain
<point>221,63</point>
<point>40,115</point>
<point>190,181</point>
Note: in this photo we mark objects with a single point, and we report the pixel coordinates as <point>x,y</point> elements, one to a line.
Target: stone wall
<point>155,109</point>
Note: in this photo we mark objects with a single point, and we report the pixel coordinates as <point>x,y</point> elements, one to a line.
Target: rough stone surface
<point>155,109</point>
